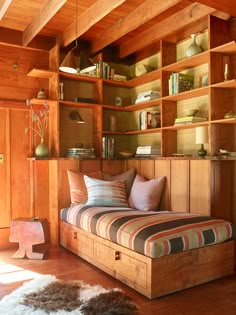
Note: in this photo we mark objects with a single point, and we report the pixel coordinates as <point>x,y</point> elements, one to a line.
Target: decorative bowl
<point>126,154</point>
<point>191,112</point>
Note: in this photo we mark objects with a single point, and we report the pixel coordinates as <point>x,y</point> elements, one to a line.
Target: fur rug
<point>47,295</point>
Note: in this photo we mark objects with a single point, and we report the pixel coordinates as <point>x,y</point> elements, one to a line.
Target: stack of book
<point>189,120</point>
<point>180,82</point>
<point>149,119</point>
<point>80,153</point>
<point>147,96</point>
<point>147,151</point>
<point>108,145</point>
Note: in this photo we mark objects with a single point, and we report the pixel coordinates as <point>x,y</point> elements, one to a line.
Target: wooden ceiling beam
<point>227,6</point>
<point>49,9</point>
<point>142,14</point>
<point>160,30</point>
<point>88,18</point>
<point>4,4</point>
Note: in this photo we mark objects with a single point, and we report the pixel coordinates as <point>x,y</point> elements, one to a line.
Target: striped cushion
<point>105,193</point>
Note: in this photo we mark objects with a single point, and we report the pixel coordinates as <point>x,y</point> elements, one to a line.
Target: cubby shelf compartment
<point>188,63</point>
<point>188,94</point>
<point>41,73</point>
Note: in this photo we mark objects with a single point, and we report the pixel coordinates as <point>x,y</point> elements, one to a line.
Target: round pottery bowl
<point>126,154</point>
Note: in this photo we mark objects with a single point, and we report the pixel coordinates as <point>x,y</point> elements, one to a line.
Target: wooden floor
<point>217,297</point>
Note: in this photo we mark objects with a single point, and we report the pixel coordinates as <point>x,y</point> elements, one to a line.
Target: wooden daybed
<point>152,277</point>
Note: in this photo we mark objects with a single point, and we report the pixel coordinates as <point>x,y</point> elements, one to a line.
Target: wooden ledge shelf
<point>228,48</point>
<point>41,73</point>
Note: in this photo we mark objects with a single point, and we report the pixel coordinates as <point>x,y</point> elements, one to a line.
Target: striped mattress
<point>153,234</point>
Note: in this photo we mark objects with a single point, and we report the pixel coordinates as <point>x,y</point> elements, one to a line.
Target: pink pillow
<point>146,194</point>
<point>78,189</point>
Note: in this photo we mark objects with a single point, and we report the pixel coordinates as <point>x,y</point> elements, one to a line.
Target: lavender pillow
<point>146,194</point>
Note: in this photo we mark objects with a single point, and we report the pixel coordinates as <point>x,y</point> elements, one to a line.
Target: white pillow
<point>105,193</point>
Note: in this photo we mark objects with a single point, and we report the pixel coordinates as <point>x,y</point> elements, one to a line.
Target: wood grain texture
<point>155,275</point>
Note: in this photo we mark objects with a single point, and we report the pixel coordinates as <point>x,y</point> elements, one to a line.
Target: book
<point>147,96</point>
<point>149,119</point>
<point>180,82</point>
<point>189,119</point>
<point>148,149</point>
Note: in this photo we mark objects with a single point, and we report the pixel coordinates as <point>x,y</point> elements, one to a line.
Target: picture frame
<point>203,79</point>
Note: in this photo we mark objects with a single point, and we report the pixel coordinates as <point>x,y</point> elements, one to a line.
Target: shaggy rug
<point>47,295</point>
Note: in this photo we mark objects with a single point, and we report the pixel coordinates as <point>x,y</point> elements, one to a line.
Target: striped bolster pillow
<point>105,193</point>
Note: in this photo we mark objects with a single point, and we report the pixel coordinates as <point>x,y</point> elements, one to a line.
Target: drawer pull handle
<point>75,236</point>
<point>117,255</point>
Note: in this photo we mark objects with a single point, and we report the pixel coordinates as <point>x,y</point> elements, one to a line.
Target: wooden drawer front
<point>132,269</point>
<point>104,255</point>
<point>127,267</point>
<point>76,242</point>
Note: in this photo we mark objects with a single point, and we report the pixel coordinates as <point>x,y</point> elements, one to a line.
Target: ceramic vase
<point>42,149</point>
<point>193,48</point>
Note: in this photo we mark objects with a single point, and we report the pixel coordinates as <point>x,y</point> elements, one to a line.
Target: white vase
<point>193,49</point>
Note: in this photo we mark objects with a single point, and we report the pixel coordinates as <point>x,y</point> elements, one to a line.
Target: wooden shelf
<point>188,63</point>
<point>144,105</point>
<point>78,77</point>
<point>229,84</point>
<point>224,121</point>
<point>228,48</point>
<point>148,77</point>
<point>188,94</point>
<point>40,73</point>
<point>186,126</point>
<point>78,104</point>
<point>39,101</point>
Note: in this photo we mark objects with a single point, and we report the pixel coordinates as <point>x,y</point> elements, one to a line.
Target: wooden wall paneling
<point>200,186</point>
<point>19,165</point>
<point>53,132</point>
<point>113,167</point>
<point>147,168</point>
<point>87,166</point>
<point>133,163</point>
<point>59,192</point>
<point>4,178</point>
<point>15,84</point>
<point>179,185</point>
<point>162,168</point>
<point>41,192</point>
<point>223,188</point>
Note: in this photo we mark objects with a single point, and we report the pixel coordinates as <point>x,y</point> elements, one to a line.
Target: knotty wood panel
<point>162,168</point>
<point>200,191</point>
<point>113,167</point>
<point>4,194</point>
<point>19,165</point>
<point>179,185</point>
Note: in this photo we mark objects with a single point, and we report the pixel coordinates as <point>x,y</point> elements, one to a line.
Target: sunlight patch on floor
<point>11,273</point>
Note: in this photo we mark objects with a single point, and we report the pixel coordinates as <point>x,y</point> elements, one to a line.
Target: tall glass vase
<point>42,149</point>
<point>193,48</point>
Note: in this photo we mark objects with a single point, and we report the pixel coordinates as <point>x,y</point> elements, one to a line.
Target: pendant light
<point>69,64</point>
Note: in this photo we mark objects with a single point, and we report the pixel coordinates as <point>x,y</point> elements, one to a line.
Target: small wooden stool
<point>29,232</point>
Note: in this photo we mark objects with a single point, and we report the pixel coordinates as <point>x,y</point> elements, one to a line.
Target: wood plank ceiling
<point>124,25</point>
